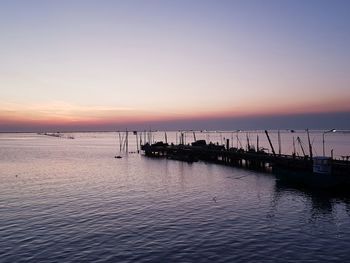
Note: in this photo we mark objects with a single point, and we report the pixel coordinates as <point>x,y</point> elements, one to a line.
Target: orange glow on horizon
<point>61,114</point>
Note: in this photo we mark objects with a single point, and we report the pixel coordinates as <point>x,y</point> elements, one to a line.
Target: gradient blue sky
<point>104,64</point>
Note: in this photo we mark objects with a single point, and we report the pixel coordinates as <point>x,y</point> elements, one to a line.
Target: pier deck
<point>258,160</point>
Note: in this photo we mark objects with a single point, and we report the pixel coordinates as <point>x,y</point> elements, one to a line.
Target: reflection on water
<point>322,202</point>
<point>72,201</point>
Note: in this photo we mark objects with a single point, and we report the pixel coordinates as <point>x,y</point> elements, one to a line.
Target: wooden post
<point>301,145</point>
<point>120,142</point>
<point>140,139</point>
<point>248,144</point>
<point>137,142</point>
<point>232,139</point>
<point>294,151</point>
<point>279,143</point>
<point>310,146</point>
<point>268,137</point>
<point>239,141</point>
<point>127,141</point>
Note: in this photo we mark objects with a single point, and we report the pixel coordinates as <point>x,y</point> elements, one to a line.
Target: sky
<point>106,65</point>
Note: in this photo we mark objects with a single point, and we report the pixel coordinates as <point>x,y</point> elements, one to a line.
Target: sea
<point>68,199</point>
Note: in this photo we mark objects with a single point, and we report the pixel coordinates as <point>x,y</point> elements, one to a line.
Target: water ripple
<point>71,201</point>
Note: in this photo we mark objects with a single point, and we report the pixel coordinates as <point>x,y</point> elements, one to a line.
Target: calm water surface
<point>67,200</point>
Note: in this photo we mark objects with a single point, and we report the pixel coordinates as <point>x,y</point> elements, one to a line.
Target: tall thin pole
<point>248,144</point>
<point>123,141</point>
<point>137,143</point>
<point>120,142</point>
<point>150,136</point>
<point>324,154</point>
<point>268,137</point>
<point>332,130</point>
<point>232,139</point>
<point>310,146</point>
<point>239,141</point>
<point>301,145</point>
<point>140,139</point>
<point>294,152</point>
<point>279,142</point>
<point>127,141</point>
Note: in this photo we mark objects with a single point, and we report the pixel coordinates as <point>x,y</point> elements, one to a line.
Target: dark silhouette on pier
<point>300,169</point>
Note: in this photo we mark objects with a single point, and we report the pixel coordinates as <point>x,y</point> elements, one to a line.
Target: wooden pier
<point>229,156</point>
<point>251,158</point>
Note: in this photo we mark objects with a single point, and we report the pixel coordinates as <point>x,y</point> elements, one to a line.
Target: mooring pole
<point>127,141</point>
<point>232,139</point>
<point>294,151</point>
<point>301,145</point>
<point>279,143</point>
<point>310,146</point>
<point>137,142</point>
<point>140,139</point>
<point>120,142</point>
<point>268,137</point>
<point>248,143</point>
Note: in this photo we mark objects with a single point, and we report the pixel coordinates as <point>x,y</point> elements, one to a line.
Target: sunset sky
<point>104,65</point>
